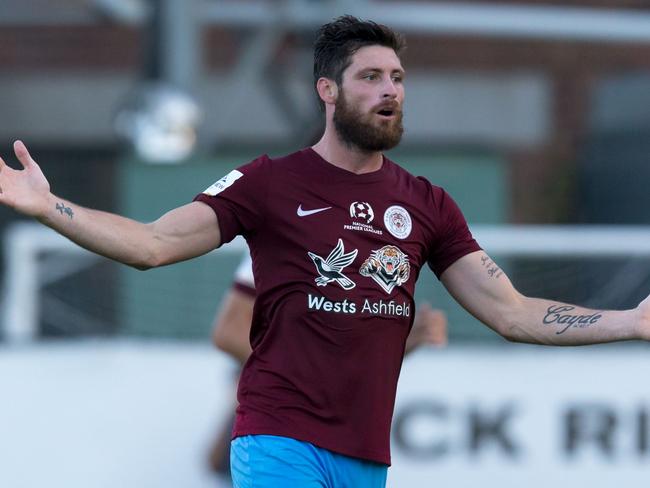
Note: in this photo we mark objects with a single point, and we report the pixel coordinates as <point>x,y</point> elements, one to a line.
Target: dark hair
<point>337,41</point>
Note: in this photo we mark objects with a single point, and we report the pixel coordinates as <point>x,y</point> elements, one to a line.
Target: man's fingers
<point>22,154</point>
<point>432,318</point>
<point>436,328</point>
<point>439,317</point>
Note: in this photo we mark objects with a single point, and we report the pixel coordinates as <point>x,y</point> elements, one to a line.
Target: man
<point>338,234</point>
<point>231,331</point>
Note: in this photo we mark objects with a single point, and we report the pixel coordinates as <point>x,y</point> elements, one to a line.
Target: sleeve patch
<point>223,183</point>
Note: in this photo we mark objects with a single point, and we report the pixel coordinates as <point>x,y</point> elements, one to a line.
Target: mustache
<point>392,106</point>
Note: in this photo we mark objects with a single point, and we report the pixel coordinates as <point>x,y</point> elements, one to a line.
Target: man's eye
<point>370,76</point>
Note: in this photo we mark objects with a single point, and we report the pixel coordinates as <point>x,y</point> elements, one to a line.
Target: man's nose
<point>389,90</point>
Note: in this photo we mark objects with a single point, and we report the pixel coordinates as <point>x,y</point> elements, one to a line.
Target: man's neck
<point>347,157</point>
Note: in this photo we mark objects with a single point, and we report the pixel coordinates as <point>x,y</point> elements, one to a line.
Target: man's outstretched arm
<point>182,233</point>
<point>483,289</point>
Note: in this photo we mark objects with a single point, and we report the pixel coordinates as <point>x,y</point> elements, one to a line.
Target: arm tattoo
<point>493,270</point>
<point>64,210</point>
<point>565,316</point>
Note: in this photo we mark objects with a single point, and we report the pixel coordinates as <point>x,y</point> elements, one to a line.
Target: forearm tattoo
<point>64,210</point>
<point>565,317</point>
<point>493,270</point>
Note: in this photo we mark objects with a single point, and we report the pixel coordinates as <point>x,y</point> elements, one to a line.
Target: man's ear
<point>328,90</point>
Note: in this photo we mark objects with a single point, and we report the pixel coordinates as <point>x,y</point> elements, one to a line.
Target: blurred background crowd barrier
<point>532,114</point>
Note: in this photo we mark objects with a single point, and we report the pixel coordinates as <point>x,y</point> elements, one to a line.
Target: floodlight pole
<point>172,50</point>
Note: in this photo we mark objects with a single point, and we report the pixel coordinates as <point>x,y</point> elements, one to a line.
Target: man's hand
<point>182,233</point>
<point>429,327</point>
<point>27,190</point>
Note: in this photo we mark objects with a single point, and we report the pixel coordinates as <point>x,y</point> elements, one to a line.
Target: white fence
<point>26,273</point>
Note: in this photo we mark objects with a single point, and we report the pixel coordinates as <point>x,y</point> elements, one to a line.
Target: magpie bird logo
<point>330,269</point>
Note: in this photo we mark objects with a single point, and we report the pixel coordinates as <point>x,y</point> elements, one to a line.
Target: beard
<point>362,131</point>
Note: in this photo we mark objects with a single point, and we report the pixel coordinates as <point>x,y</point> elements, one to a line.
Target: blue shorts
<point>267,461</point>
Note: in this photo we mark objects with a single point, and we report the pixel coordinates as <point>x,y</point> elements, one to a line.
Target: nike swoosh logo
<point>304,213</point>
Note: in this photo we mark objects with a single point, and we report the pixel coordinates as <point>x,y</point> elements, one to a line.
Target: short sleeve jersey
<point>335,259</point>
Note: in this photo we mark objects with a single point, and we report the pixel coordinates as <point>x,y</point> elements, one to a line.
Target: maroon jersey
<point>335,258</point>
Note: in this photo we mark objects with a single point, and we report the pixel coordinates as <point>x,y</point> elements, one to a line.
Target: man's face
<point>368,110</point>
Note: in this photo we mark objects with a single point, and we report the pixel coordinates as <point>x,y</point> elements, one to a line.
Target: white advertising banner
<point>139,415</point>
<point>523,416</point>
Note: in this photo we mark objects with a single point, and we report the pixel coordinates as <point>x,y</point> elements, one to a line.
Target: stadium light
<point>160,121</point>
<point>131,12</point>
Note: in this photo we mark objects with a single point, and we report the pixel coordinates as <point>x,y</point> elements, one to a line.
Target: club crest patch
<point>223,183</point>
<point>398,221</point>
<point>388,266</point>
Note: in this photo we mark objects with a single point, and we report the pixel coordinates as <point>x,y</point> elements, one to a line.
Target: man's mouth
<point>387,112</point>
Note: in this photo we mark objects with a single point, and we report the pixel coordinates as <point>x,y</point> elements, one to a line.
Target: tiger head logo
<point>388,266</point>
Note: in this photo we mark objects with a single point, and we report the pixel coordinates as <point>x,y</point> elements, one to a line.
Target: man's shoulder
<point>266,163</point>
<point>415,182</point>
<point>291,160</point>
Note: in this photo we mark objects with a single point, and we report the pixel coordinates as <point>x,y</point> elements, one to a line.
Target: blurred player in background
<point>338,234</point>
<point>231,334</point>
